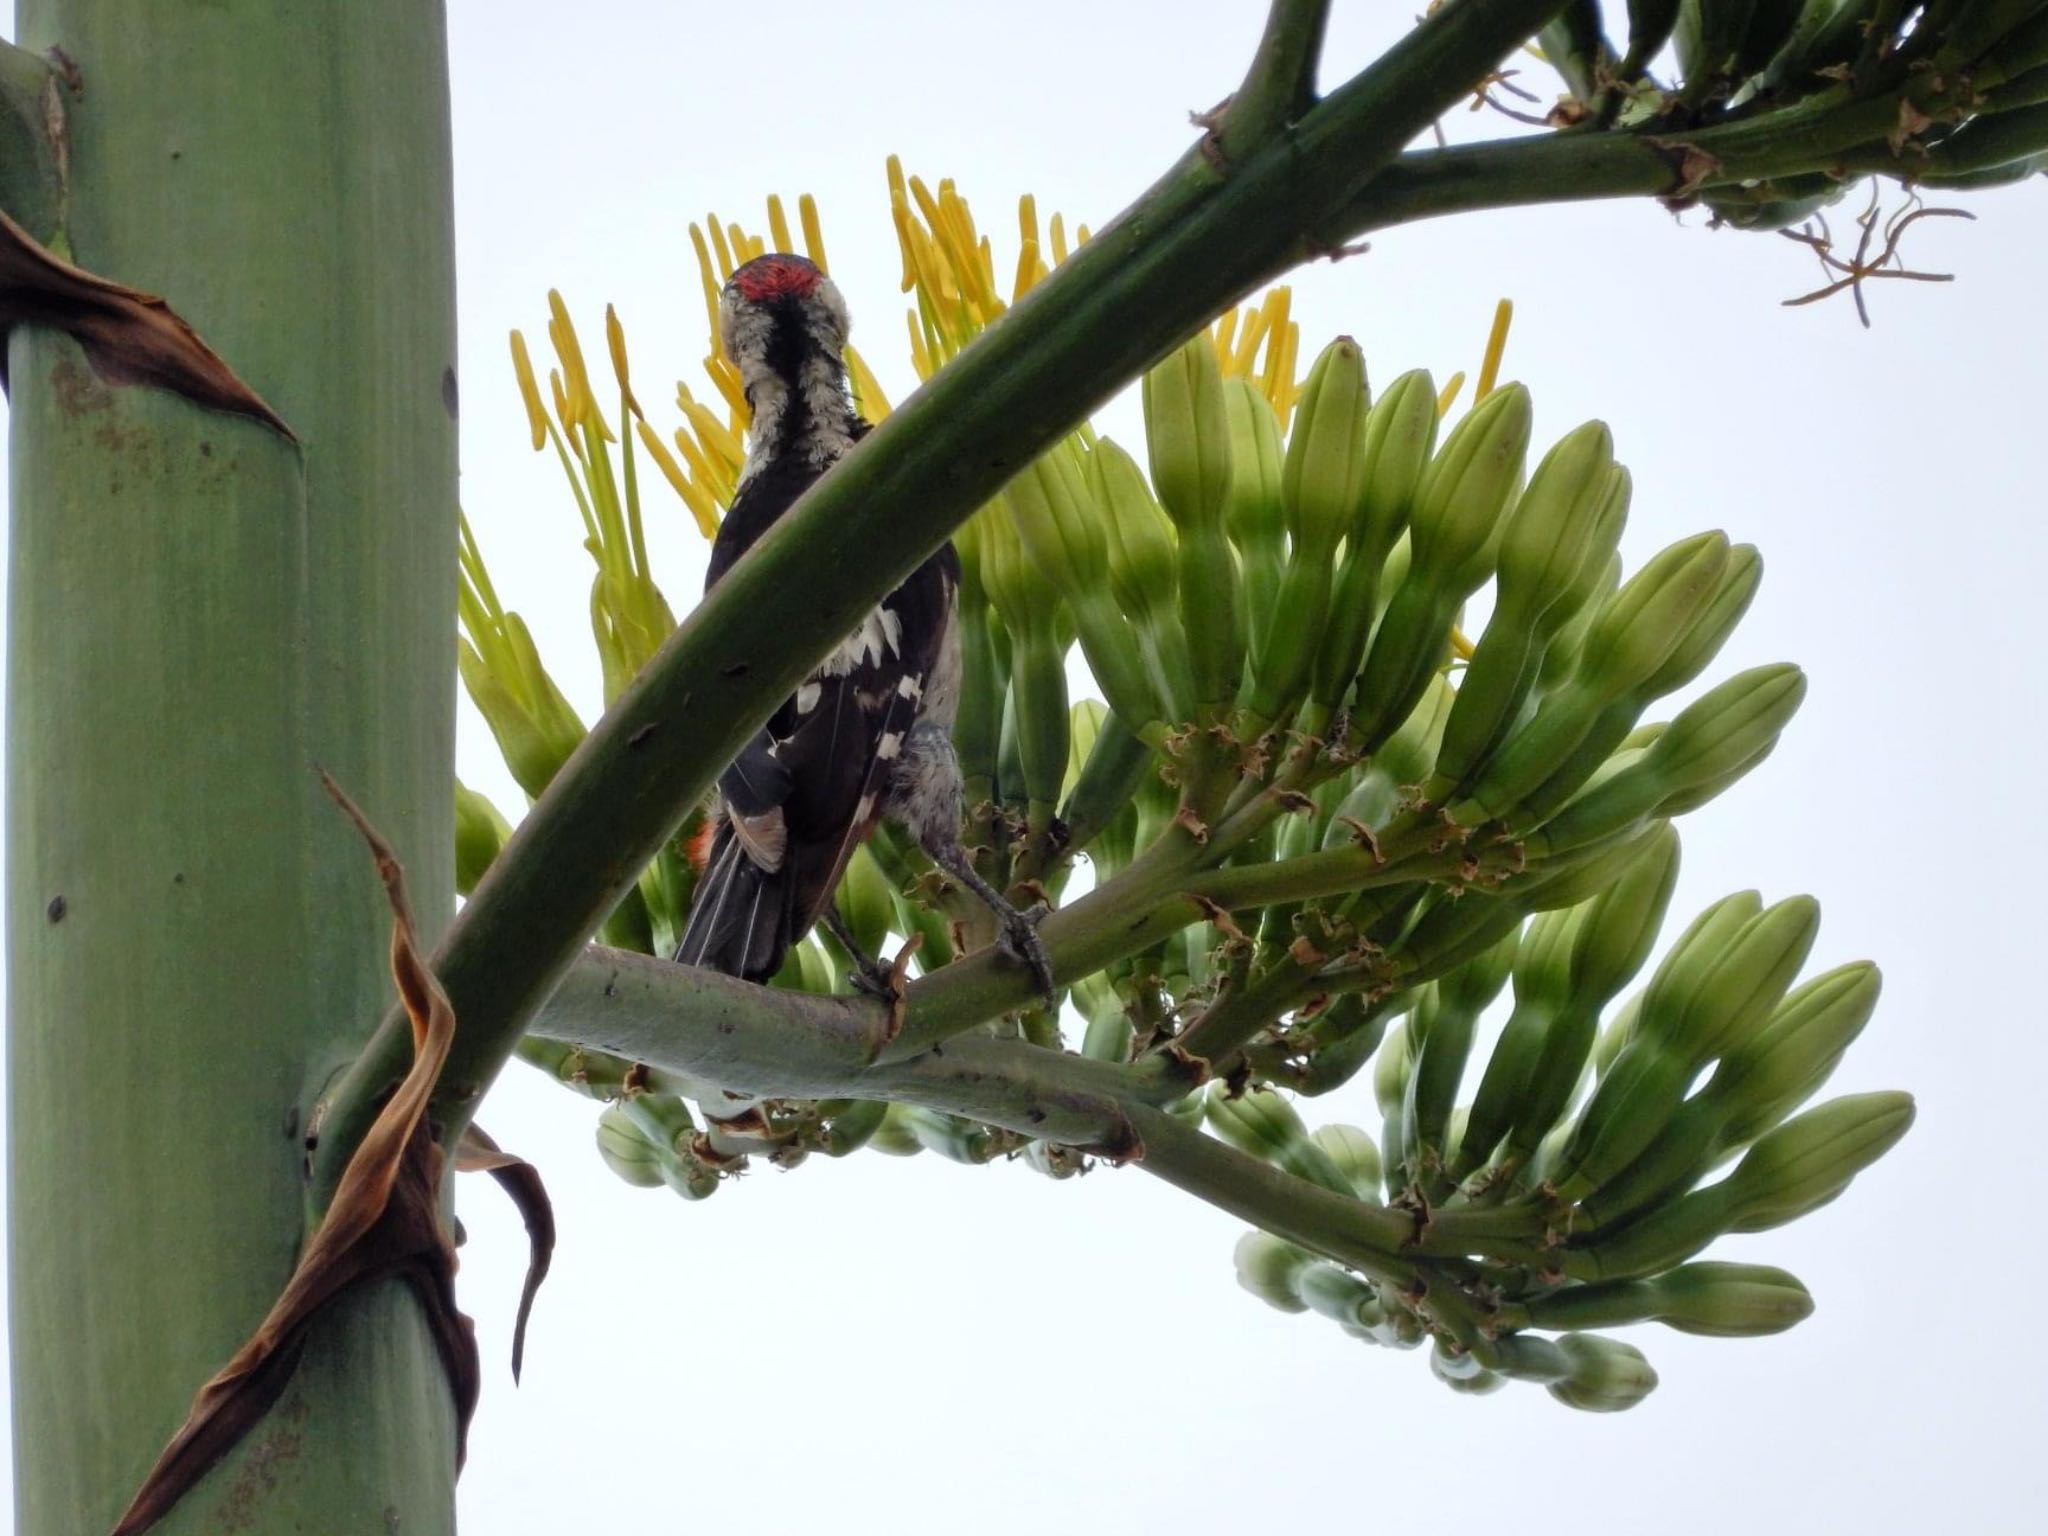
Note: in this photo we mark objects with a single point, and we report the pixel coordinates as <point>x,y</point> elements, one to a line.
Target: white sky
<point>876,1344</point>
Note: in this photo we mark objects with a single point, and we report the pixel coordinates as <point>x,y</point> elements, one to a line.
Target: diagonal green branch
<point>1280,85</point>
<point>1196,241</point>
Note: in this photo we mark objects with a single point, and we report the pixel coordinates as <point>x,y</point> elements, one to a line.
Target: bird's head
<point>779,311</point>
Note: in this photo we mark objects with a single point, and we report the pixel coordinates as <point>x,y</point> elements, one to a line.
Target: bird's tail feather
<point>740,916</point>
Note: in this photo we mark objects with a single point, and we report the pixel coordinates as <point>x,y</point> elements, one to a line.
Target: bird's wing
<point>871,691</point>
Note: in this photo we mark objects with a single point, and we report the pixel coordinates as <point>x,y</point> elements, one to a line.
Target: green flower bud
<point>1542,983</point>
<point>866,902</point>
<point>1687,962</point>
<point>1634,634</point>
<point>532,723</point>
<point>1731,1301</point>
<point>1811,1158</point>
<point>1607,1376</point>
<point>1797,1051</point>
<point>1345,1035</point>
<point>1400,436</point>
<point>1711,626</point>
<point>1390,1090</point>
<point>1561,656</point>
<point>1143,567</point>
<point>1116,764</point>
<point>626,1149</point>
<point>1743,983</point>
<point>1609,942</point>
<point>1525,1357</point>
<point>1061,529</point>
<point>1462,1372</point>
<point>977,729</point>
<point>895,1136</point>
<point>1633,1103</point>
<point>1559,528</point>
<point>1140,539</point>
<point>954,1138</point>
<point>1354,1155</point>
<point>1798,1167</point>
<point>1270,1268</point>
<point>1323,484</point>
<point>851,1124</point>
<point>1187,432</point>
<point>1719,1300</point>
<point>1716,738</point>
<point>1262,1123</point>
<point>479,833</point>
<point>1255,514</point>
<point>1332,1291</point>
<point>1456,509</point>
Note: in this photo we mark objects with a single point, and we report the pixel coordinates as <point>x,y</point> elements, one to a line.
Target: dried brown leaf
<point>129,337</point>
<point>384,1223</point>
<point>521,1181</point>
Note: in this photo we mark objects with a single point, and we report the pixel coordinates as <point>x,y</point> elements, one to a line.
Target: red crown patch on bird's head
<point>777,275</point>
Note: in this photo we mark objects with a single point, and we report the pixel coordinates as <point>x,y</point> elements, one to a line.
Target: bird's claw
<point>1018,938</point>
<point>874,979</point>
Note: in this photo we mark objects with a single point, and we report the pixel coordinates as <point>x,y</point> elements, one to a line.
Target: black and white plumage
<point>868,734</point>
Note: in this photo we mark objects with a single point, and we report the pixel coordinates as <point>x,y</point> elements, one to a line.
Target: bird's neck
<point>802,412</point>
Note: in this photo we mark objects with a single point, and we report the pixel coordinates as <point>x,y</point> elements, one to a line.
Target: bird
<point>868,734</point>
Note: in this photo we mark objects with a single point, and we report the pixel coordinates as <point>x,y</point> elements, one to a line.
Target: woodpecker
<point>868,734</point>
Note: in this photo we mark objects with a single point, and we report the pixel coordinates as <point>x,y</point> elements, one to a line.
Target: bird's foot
<point>1017,937</point>
<point>870,976</point>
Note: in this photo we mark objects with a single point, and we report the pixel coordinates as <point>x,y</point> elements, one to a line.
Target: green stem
<point>1370,1238</point>
<point>1815,135</point>
<point>1280,85</point>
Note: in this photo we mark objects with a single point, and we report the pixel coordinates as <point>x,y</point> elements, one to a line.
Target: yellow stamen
<point>899,214</point>
<point>1448,395</point>
<point>710,280</point>
<point>718,244</point>
<point>868,398</point>
<point>712,433</point>
<point>707,524</point>
<point>615,338</point>
<point>1226,327</point>
<point>1496,344</point>
<point>727,380</point>
<point>814,235</point>
<point>778,225</point>
<point>1461,646</point>
<point>1059,239</point>
<point>920,355</point>
<point>562,405</point>
<point>536,413</point>
<point>1248,340</point>
<point>1290,390</point>
<point>1027,270</point>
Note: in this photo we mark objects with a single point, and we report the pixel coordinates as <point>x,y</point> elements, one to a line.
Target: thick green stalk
<point>1199,239</point>
<point>200,611</point>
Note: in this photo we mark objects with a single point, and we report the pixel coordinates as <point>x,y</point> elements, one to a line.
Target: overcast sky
<point>881,1345</point>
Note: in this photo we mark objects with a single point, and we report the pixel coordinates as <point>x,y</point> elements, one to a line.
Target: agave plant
<point>1308,829</point>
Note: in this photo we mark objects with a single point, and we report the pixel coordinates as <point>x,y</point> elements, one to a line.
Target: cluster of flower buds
<point>1326,830</point>
<point>1955,90</point>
